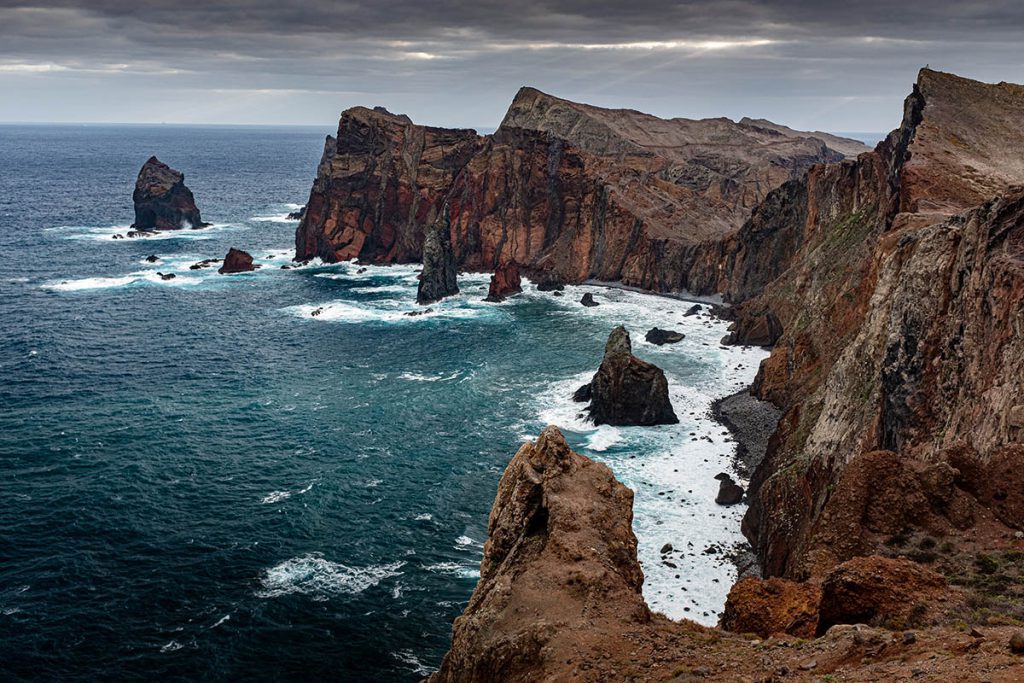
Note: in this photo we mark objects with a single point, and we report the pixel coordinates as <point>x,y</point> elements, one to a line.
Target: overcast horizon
<point>827,65</point>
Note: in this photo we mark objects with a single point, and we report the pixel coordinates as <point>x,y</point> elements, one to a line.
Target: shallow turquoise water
<point>202,479</point>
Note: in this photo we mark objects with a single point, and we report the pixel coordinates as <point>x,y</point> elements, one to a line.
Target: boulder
<point>162,201</point>
<point>236,261</point>
<point>692,310</point>
<point>439,277</point>
<point>659,336</point>
<point>588,300</point>
<point>297,215</point>
<point>152,258</point>
<point>505,282</point>
<point>626,390</point>
<point>880,591</point>
<point>772,606</point>
<point>729,492</point>
<point>166,276</point>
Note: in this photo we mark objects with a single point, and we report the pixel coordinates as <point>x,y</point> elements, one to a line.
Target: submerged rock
<point>152,258</point>
<point>162,201</point>
<point>297,215</point>
<point>440,275</point>
<point>236,261</point>
<point>626,390</point>
<point>505,282</point>
<point>659,336</point>
<point>588,300</point>
<point>166,276</point>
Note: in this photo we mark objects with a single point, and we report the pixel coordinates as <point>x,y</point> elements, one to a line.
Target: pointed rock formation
<point>439,277</point>
<point>505,282</point>
<point>236,261</point>
<point>626,390</point>
<point>560,554</point>
<point>162,201</point>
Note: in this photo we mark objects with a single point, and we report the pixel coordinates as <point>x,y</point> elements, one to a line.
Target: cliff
<point>567,191</point>
<point>895,284</point>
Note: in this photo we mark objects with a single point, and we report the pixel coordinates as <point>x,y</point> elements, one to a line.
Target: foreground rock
<point>505,282</point>
<point>162,201</point>
<point>439,277</point>
<point>559,599</point>
<point>236,261</point>
<point>659,336</point>
<point>627,390</point>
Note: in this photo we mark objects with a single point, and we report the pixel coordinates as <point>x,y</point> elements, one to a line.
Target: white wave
<point>424,517</point>
<point>171,646</point>
<point>385,310</point>
<point>322,579</point>
<point>275,497</point>
<point>385,289</point>
<point>455,569</point>
<point>223,619</point>
<point>109,233</point>
<point>275,218</point>
<point>603,438</point>
<point>409,658</point>
<point>139,278</point>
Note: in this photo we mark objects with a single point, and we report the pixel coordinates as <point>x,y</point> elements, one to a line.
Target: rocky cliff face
<point>162,201</point>
<point>895,284</point>
<point>566,190</point>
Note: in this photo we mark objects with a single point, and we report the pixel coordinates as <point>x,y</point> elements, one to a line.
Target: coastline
<point>711,300</point>
<point>751,423</point>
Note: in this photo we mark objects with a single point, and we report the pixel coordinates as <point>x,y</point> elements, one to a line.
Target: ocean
<point>278,474</point>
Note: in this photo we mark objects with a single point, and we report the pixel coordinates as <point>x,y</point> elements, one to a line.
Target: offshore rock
<point>659,336</point>
<point>588,300</point>
<point>162,201</point>
<point>505,282</point>
<point>729,492</point>
<point>439,277</point>
<point>236,261</point>
<point>626,390</point>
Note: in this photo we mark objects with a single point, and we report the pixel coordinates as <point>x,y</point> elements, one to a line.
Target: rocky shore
<point>751,421</point>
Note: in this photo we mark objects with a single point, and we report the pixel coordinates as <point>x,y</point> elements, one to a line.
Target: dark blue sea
<point>279,475</point>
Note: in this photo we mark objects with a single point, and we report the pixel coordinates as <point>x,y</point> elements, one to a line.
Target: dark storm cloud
<point>458,61</point>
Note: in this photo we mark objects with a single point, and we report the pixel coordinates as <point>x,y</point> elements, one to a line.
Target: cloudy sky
<point>841,66</point>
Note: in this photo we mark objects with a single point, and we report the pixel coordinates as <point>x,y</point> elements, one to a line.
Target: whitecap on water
<point>409,658</point>
<point>275,497</point>
<point>322,579</point>
<point>107,233</point>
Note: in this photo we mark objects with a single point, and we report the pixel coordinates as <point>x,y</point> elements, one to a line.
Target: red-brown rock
<point>236,261</point>
<point>771,606</point>
<point>505,282</point>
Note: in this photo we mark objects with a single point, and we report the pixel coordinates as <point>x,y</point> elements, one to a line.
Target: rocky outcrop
<point>772,606</point>
<point>162,201</point>
<point>379,184</point>
<point>236,261</point>
<point>626,390</point>
<point>660,337</point>
<point>439,277</point>
<point>568,191</point>
<point>505,282</point>
<point>729,492</point>
<point>559,520</point>
<point>890,286</point>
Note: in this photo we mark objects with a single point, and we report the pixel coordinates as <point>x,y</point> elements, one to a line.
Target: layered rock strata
<point>568,191</point>
<point>162,201</point>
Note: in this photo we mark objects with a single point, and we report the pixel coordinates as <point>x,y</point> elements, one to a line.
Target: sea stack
<point>626,390</point>
<point>236,261</point>
<point>505,282</point>
<point>162,201</point>
<point>439,276</point>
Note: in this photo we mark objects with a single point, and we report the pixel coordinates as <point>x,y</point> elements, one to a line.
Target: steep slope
<point>898,312</point>
<point>568,191</point>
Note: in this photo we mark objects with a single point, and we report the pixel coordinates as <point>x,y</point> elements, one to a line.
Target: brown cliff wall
<point>900,313</point>
<point>568,191</point>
